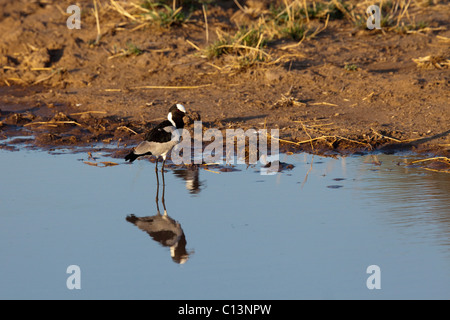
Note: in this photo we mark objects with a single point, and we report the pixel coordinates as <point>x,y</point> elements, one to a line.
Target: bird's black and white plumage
<point>166,231</point>
<point>163,229</point>
<point>161,139</point>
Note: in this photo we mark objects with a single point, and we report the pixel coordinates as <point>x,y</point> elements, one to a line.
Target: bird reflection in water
<point>191,175</point>
<point>163,229</point>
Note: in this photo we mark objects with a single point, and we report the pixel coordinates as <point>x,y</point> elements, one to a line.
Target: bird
<point>160,140</point>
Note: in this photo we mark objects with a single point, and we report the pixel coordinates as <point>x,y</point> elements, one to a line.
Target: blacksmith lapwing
<point>161,139</point>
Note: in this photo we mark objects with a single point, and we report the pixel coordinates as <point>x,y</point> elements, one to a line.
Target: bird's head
<point>176,115</point>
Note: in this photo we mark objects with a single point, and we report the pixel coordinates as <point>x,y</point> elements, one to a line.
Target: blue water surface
<point>306,233</point>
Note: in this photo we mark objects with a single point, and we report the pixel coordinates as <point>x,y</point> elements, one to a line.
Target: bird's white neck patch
<point>169,117</point>
<point>181,108</point>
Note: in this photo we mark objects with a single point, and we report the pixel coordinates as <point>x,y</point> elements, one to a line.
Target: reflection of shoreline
<point>410,195</point>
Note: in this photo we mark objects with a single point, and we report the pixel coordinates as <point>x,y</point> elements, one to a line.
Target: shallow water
<point>306,233</point>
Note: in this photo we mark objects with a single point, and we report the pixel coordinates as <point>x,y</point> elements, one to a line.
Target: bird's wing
<point>144,148</point>
<point>161,133</point>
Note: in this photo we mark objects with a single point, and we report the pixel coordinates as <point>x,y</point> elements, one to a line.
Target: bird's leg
<point>156,171</point>
<point>162,170</point>
<point>157,192</point>
<point>156,166</point>
<point>163,192</point>
<point>162,173</point>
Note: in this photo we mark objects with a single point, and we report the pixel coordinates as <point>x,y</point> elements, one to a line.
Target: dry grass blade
<point>211,171</point>
<point>206,22</point>
<point>45,78</point>
<point>343,10</point>
<point>239,6</point>
<point>86,112</point>
<point>286,57</point>
<point>91,163</point>
<point>193,45</point>
<point>435,164</point>
<point>240,46</point>
<point>319,29</point>
<point>139,7</point>
<point>437,170</point>
<point>121,10</point>
<point>41,69</point>
<point>51,123</point>
<point>142,25</point>
<point>128,129</point>
<point>386,137</point>
<point>172,87</point>
<point>369,96</point>
<point>445,159</point>
<point>354,141</point>
<point>318,125</point>
<point>104,164</point>
<point>428,29</point>
<point>295,45</point>
<point>305,6</point>
<point>109,163</point>
<point>323,138</point>
<point>324,103</point>
<point>16,80</point>
<point>117,55</point>
<point>99,34</point>
<point>282,140</point>
<point>214,66</point>
<point>405,10</point>
<point>309,136</point>
<point>307,174</point>
<point>443,39</point>
<point>287,102</point>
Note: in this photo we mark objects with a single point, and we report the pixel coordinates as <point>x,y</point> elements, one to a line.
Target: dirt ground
<point>347,89</point>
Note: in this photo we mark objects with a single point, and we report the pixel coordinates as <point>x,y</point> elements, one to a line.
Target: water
<point>307,233</point>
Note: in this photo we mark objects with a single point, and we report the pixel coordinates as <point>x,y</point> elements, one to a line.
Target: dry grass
<point>249,46</point>
<point>435,164</point>
<point>246,46</point>
<point>257,27</point>
<point>330,140</point>
<point>149,12</point>
<point>300,20</point>
<point>322,131</point>
<point>443,159</point>
<point>396,15</point>
<point>287,101</point>
<point>432,62</point>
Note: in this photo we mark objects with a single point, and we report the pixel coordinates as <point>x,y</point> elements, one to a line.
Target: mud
<point>58,87</point>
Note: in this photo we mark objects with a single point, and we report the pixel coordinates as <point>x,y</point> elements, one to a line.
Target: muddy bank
<point>345,90</point>
<point>54,127</point>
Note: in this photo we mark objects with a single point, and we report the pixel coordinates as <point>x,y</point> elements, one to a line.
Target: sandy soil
<point>92,93</point>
